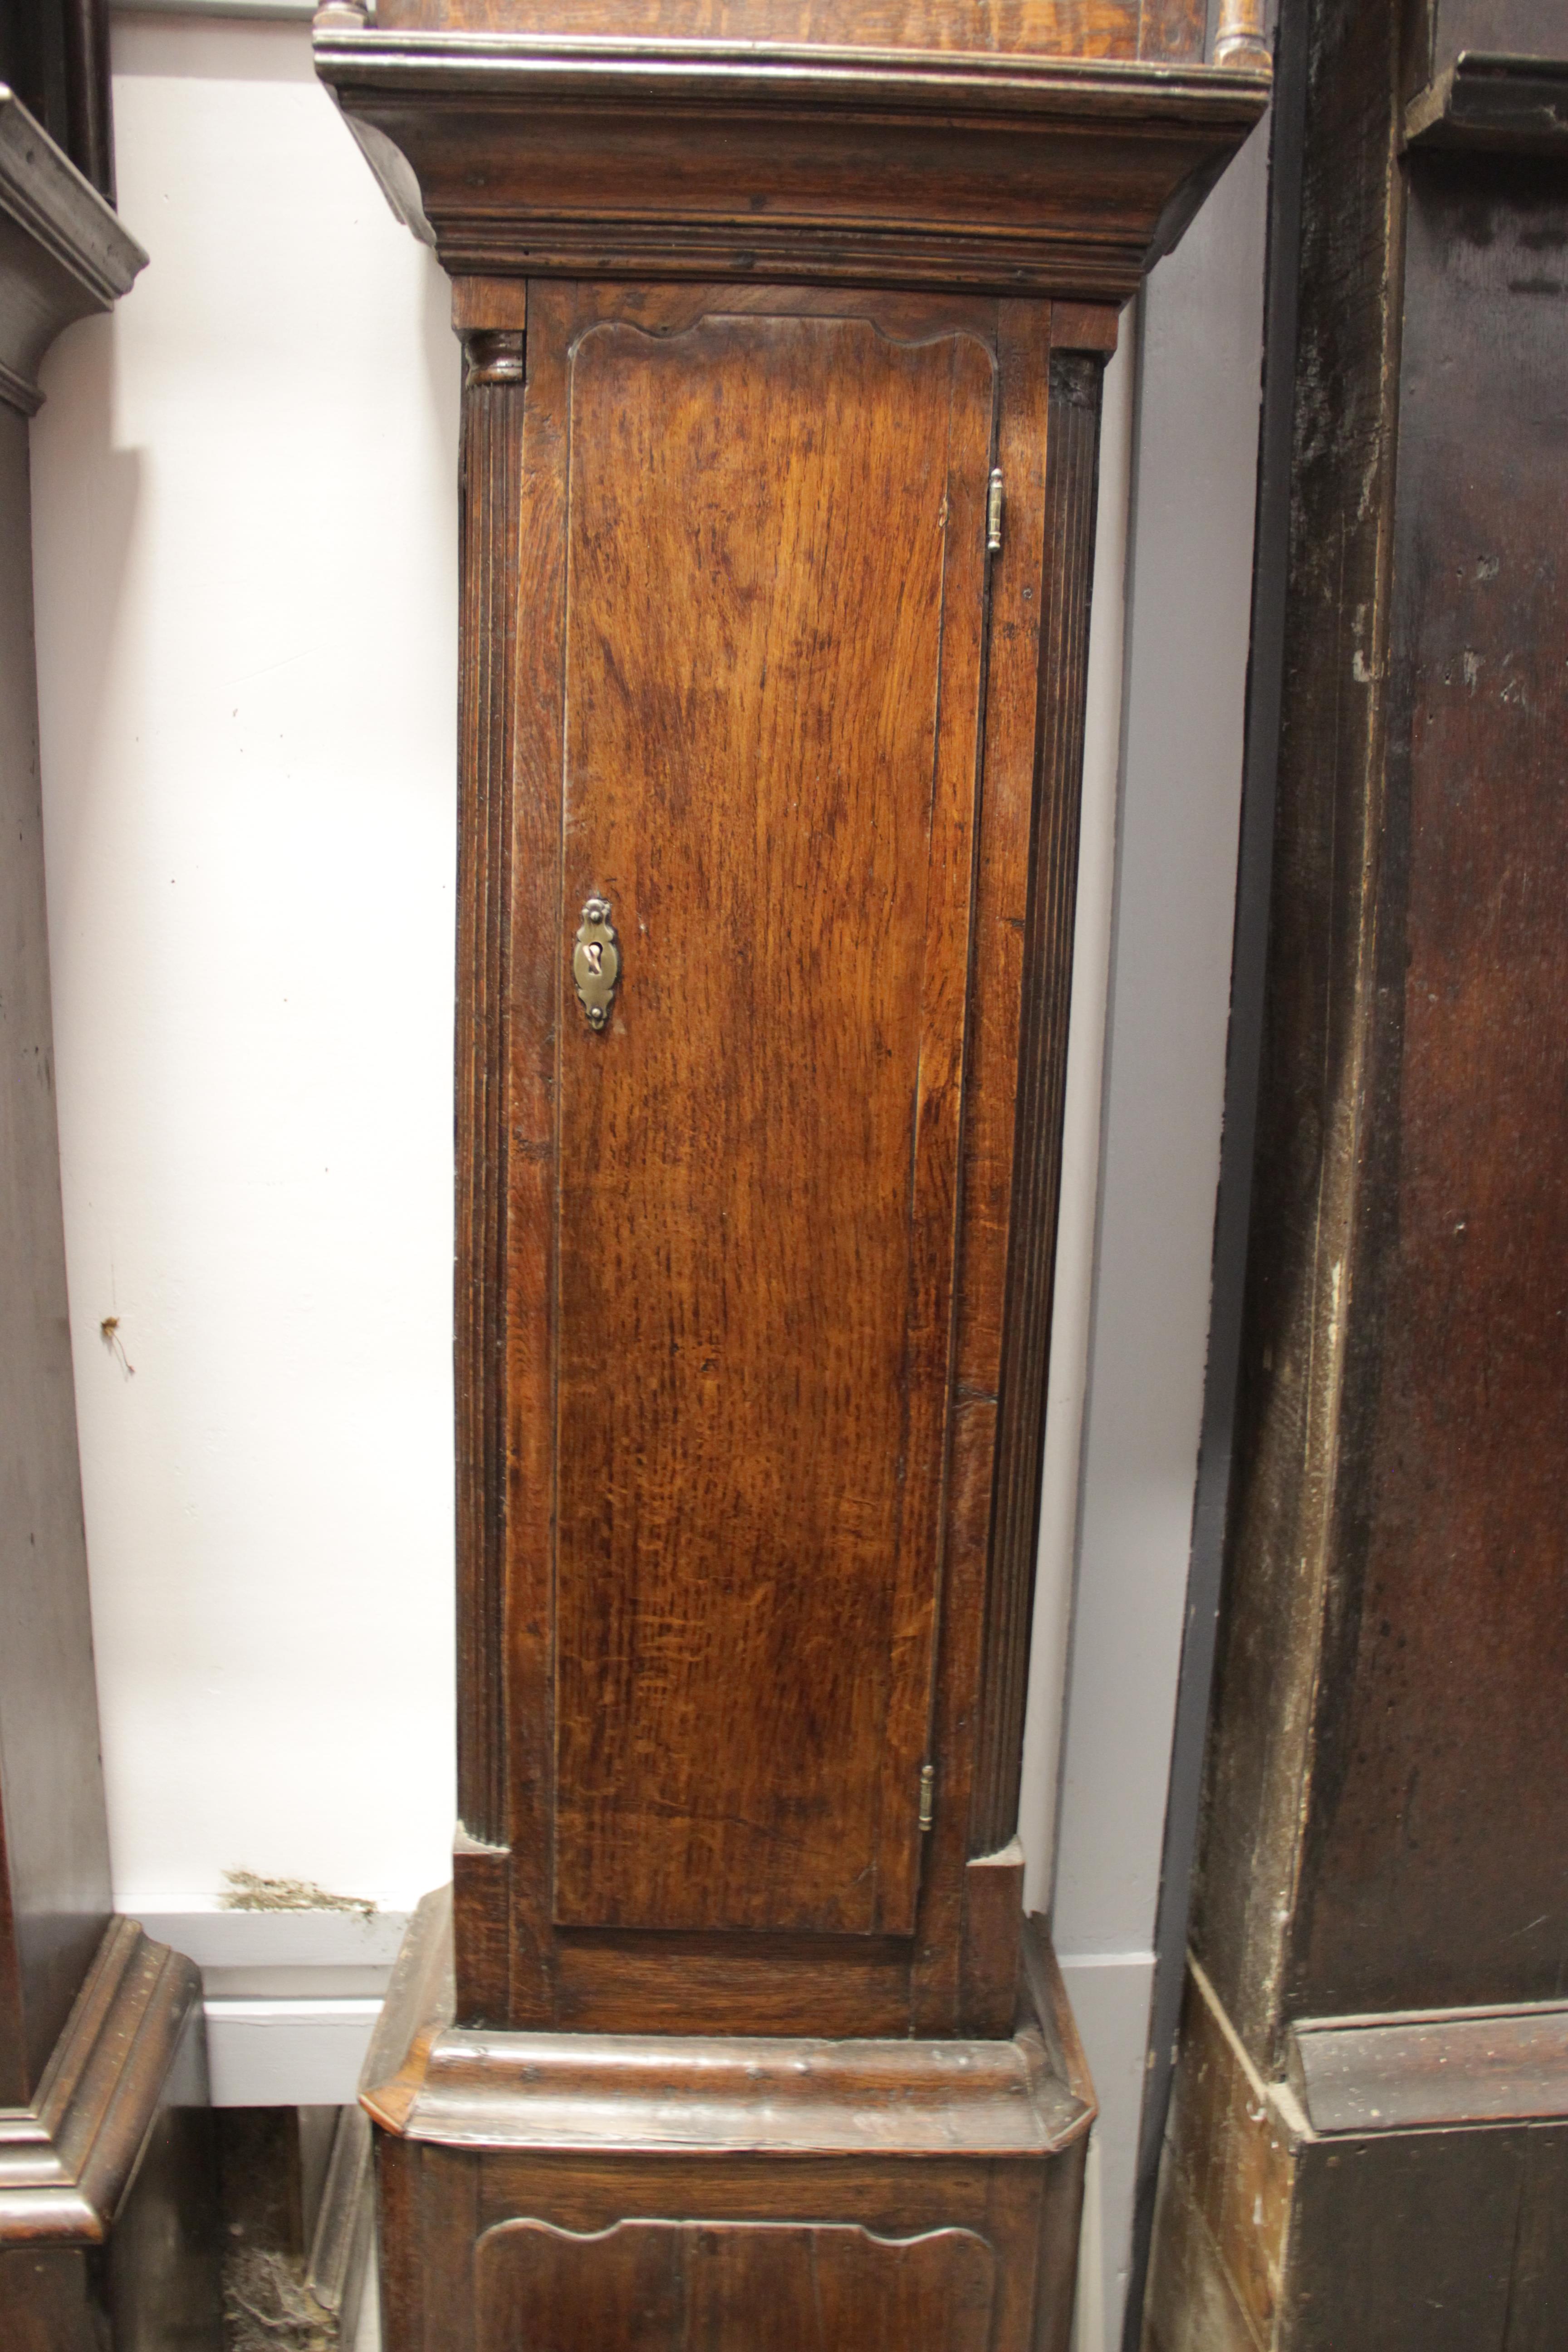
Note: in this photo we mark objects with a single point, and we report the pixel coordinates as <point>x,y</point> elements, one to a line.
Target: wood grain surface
<point>1154,29</point>
<point>771,765</point>
<point>1439,1843</point>
<point>695,2286</point>
<point>523,1956</point>
<point>898,2140</point>
<point>1281,1535</point>
<point>1382,1833</point>
<point>595,156</point>
<point>1076,380</point>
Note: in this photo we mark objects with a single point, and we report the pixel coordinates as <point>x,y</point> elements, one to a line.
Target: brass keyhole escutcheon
<point>596,963</point>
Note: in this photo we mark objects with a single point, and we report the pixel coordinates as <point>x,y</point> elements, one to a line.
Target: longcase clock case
<point>775,601</point>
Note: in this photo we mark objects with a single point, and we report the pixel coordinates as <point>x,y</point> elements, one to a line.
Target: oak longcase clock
<point>784,329</point>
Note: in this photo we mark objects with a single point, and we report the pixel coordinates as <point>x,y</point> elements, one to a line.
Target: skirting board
<point>291,1998</point>
<point>1110,1993</point>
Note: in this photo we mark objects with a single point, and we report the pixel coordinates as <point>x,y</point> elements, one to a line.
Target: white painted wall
<point>244,531</point>
<point>245,527</point>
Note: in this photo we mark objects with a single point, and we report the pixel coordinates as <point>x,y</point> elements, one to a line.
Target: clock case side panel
<point>959,1973</point>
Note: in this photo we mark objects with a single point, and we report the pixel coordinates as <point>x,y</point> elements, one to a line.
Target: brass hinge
<point>995,501</point>
<point>927,1798</point>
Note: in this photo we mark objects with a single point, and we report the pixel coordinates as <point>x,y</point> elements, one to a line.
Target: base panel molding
<point>665,2193</point>
<point>1401,2190</point>
<point>107,2210</point>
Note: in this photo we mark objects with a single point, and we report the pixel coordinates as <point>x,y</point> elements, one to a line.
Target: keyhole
<point>595,958</point>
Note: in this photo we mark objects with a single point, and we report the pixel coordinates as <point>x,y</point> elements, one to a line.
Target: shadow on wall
<point>90,534</point>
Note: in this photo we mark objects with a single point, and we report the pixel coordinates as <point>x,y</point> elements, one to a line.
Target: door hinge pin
<point>927,1798</point>
<point>995,498</point>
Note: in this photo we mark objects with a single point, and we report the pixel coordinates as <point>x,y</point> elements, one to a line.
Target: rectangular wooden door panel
<point>775,584</point>
<point>717,2286</point>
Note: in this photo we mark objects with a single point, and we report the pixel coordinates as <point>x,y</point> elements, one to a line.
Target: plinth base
<point>108,2222</point>
<point>673,2194</point>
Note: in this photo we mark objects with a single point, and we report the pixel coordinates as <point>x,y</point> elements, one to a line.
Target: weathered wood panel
<point>1438,1850</point>
<point>695,2286</point>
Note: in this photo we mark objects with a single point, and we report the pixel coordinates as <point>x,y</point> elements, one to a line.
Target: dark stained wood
<point>972,2149</point>
<point>1425,2224</point>
<point>487,1134</point>
<point>1437,1848</point>
<point>492,409</point>
<point>773,690</point>
<point>108,2176</point>
<point>608,157</point>
<point>427,2078</point>
<point>1015,683</point>
<point>1504,105</point>
<point>753,2041</point>
<point>552,2289</point>
<point>49,2300</point>
<point>1432,2068</point>
<point>1283,1526</point>
<point>756,1983</point>
<point>993,1919</point>
<point>1157,31</point>
<point>527,1054</point>
<point>1225,2187</point>
<point>1172,31</point>
<point>1437,31</point>
<point>54,55</point>
<point>61,255</point>
<point>1071,485</point>
<point>598,1980</point>
<point>673,2286</point>
<point>1382,1905</point>
<point>1539,2251</point>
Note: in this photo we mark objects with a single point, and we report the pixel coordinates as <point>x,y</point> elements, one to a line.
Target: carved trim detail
<point>494,357</point>
<point>67,2160</point>
<point>65,254</point>
<point>945,169</point>
<point>490,494</point>
<point>674,2095</point>
<point>693,2283</point>
<point>1242,37</point>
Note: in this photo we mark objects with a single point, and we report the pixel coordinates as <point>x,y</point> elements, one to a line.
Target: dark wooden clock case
<point>785,343</point>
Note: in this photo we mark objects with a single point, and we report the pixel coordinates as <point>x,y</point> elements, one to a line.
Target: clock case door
<point>748,1439</point>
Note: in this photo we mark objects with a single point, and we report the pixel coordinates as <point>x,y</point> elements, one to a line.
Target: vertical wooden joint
<point>992,1943</point>
<point>1241,39</point>
<point>492,402</point>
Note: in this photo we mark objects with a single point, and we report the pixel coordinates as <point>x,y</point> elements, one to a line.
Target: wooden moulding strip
<point>65,2162</point>
<point>1432,2069</point>
<point>527,68</point>
<point>675,2093</point>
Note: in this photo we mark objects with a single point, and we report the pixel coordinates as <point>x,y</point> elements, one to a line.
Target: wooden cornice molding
<point>426,2079</point>
<point>1516,105</point>
<point>67,2160</point>
<point>63,252</point>
<point>525,155</point>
